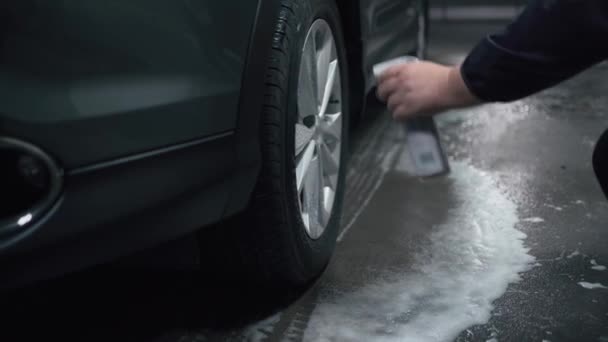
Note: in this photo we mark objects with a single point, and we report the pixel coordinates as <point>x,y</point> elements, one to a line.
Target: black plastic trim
<point>24,219</point>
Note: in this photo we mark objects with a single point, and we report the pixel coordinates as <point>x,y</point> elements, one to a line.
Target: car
<point>128,124</point>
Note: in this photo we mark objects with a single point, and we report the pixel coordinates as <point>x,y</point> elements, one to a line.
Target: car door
<point>389,29</point>
<point>120,77</point>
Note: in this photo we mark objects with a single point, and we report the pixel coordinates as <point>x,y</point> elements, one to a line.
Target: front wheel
<point>288,234</point>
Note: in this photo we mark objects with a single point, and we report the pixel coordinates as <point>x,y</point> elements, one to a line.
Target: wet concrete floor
<point>511,246</point>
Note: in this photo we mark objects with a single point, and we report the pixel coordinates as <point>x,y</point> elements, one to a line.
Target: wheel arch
<point>250,103</point>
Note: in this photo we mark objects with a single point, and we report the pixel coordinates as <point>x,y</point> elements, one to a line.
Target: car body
<point>142,115</point>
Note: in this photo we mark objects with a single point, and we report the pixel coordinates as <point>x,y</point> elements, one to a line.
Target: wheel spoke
<point>320,186</point>
<point>312,195</point>
<point>303,137</point>
<point>308,99</point>
<point>326,68</point>
<point>304,164</point>
<point>329,160</point>
<point>328,201</point>
<point>331,126</point>
<point>323,59</point>
<point>305,218</point>
<point>328,86</point>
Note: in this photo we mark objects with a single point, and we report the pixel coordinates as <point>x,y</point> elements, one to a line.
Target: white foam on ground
<point>573,254</point>
<point>555,207</point>
<point>595,266</point>
<point>469,262</point>
<point>591,286</point>
<point>534,219</point>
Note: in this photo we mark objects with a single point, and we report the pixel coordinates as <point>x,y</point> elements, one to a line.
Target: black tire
<point>269,243</point>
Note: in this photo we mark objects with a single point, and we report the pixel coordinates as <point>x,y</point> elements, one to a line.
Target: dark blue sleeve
<point>551,41</point>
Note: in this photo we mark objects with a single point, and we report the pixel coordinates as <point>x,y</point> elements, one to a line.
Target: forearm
<point>458,93</point>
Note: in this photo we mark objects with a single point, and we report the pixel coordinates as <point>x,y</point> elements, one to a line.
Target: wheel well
<point>351,26</point>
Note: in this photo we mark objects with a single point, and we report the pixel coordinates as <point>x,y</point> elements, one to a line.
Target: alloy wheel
<point>318,128</point>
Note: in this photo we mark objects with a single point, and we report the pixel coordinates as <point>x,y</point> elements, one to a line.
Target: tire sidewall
<point>312,255</point>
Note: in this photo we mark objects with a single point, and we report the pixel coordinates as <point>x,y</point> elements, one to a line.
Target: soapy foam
<point>592,286</point>
<point>470,261</point>
<point>573,254</point>
<point>595,266</point>
<point>534,219</point>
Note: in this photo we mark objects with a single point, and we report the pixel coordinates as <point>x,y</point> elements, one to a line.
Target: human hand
<point>422,88</point>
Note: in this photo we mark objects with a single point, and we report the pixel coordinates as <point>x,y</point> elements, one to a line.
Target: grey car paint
<point>120,77</point>
<point>98,71</point>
